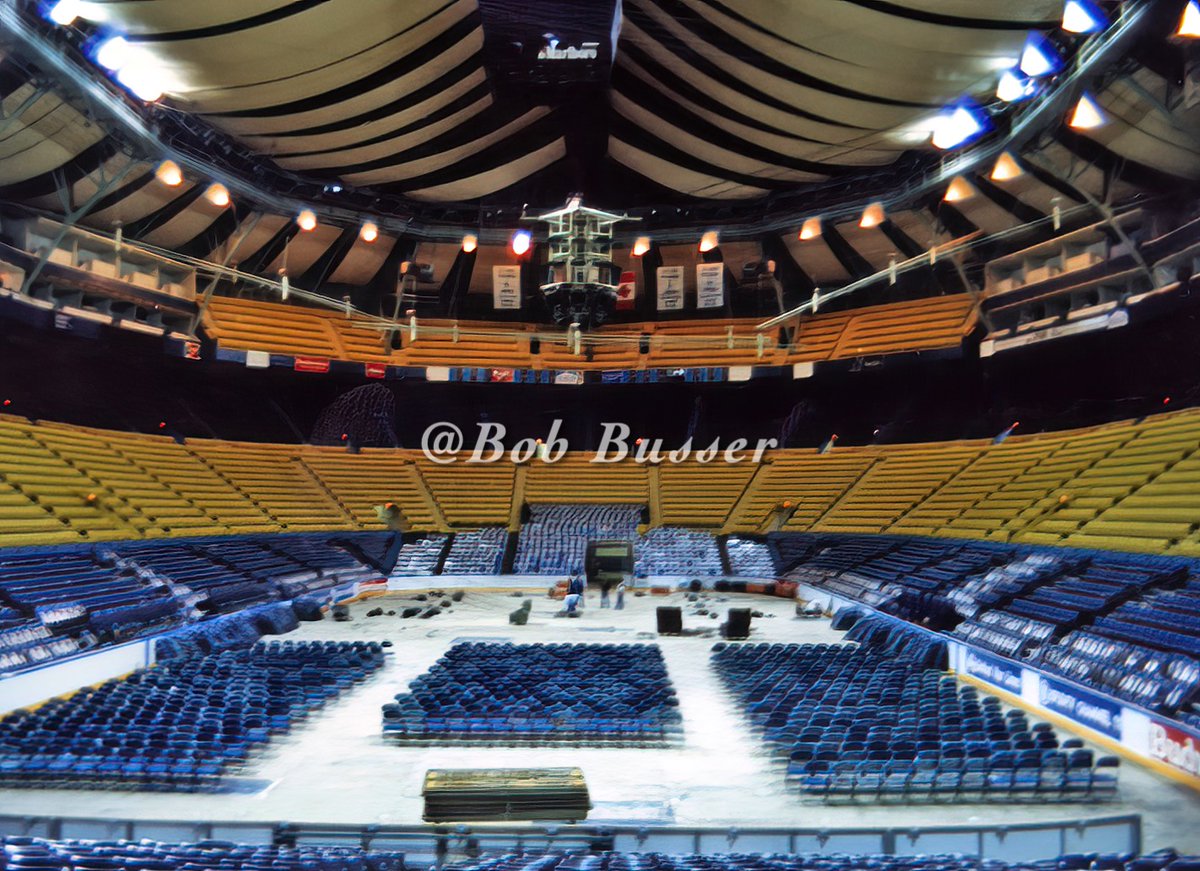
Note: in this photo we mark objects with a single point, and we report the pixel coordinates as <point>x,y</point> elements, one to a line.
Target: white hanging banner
<point>670,288</point>
<point>506,286</point>
<point>710,285</point>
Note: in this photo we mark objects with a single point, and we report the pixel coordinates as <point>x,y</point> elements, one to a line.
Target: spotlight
<point>307,220</point>
<point>64,12</point>
<point>113,53</point>
<point>169,173</point>
<point>1087,115</point>
<point>1083,16</point>
<point>708,241</point>
<point>1189,24</point>
<point>520,242</point>
<point>641,245</point>
<point>872,216</point>
<point>1006,168</point>
<point>217,194</point>
<point>1013,87</point>
<point>957,127</point>
<point>469,243</point>
<point>369,232</point>
<point>811,229</point>
<point>1039,57</point>
<point>142,81</point>
<point>959,189</point>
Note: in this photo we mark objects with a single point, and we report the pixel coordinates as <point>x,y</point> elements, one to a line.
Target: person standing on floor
<point>620,606</point>
<point>604,588</point>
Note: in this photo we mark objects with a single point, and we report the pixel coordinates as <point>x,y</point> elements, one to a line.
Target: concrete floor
<point>337,768</point>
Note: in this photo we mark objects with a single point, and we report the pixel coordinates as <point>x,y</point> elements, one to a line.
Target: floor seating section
<point>542,693</point>
<point>58,601</point>
<point>868,723</point>
<point>183,724</point>
<point>1125,486</point>
<point>554,539</point>
<point>147,855</point>
<point>1166,860</point>
<point>420,556</point>
<point>1125,624</point>
<point>669,550</point>
<point>476,552</point>
<point>934,323</point>
<point>749,557</point>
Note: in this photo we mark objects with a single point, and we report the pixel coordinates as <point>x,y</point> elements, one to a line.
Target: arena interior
<point>599,435</point>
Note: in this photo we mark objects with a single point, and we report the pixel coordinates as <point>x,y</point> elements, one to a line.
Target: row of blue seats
<point>181,724</point>
<point>548,692</point>
<point>38,854</point>
<point>1164,860</point>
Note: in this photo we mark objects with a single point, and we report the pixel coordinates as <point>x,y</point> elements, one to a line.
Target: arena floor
<point>337,768</point>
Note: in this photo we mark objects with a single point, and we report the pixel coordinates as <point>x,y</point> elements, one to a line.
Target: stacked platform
<point>502,794</point>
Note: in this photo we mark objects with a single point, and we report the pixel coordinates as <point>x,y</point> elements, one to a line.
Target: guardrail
<point>437,846</point>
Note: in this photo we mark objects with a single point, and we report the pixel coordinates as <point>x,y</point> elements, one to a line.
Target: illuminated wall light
<point>1083,16</point>
<point>1014,87</point>
<point>641,246</point>
<point>307,220</point>
<point>217,194</point>
<point>469,243</point>
<point>959,189</point>
<point>113,53</point>
<point>811,229</point>
<point>708,241</point>
<point>169,173</point>
<point>64,12</point>
<point>1039,57</point>
<point>1189,24</point>
<point>1087,115</point>
<point>1006,168</point>
<point>369,232</point>
<point>872,216</point>
<point>957,126</point>
<point>521,241</point>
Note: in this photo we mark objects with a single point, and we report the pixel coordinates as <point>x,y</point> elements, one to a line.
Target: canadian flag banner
<point>627,291</point>
<point>375,370</point>
<point>311,364</point>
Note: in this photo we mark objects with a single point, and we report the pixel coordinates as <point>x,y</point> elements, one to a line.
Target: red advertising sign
<point>1175,747</point>
<point>375,370</point>
<point>505,375</point>
<point>311,364</point>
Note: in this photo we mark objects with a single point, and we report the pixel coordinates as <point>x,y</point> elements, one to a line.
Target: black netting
<point>362,417</point>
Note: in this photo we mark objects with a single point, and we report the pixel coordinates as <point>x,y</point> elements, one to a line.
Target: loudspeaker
<point>737,624</point>
<point>670,620</point>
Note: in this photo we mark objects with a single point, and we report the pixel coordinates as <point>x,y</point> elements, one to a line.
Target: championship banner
<point>670,288</point>
<point>626,291</point>
<point>506,286</point>
<point>710,285</point>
